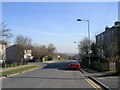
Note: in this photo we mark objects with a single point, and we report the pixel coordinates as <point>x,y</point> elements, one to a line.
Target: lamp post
<point>78,47</point>
<point>88,38</point>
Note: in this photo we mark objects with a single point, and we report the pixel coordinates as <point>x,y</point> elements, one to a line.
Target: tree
<point>51,49</point>
<point>113,49</point>
<point>23,43</point>
<point>84,46</point>
<point>6,33</point>
<point>41,50</point>
<point>94,49</point>
<point>22,40</point>
<point>113,55</point>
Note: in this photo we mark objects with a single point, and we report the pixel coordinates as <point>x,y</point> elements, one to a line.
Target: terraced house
<point>108,42</point>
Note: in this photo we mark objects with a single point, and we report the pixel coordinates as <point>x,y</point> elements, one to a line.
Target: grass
<point>17,70</point>
<point>12,65</point>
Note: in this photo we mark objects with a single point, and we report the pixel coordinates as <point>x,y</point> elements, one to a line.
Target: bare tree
<point>23,43</point>
<point>22,40</point>
<point>41,50</point>
<point>6,33</point>
<point>51,48</point>
<point>84,46</point>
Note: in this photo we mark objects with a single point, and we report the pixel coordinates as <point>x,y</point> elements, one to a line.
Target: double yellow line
<point>97,87</point>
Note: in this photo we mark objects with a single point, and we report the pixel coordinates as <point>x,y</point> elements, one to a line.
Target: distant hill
<point>71,54</point>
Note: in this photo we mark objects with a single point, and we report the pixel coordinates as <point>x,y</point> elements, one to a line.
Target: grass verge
<point>17,70</point>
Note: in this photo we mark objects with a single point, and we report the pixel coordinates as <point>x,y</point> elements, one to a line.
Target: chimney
<point>117,23</point>
<point>107,28</point>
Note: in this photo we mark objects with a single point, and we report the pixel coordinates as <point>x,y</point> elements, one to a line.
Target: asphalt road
<point>110,81</point>
<point>54,75</point>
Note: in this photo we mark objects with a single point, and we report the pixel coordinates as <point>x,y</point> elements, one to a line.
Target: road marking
<point>95,84</point>
<point>90,83</point>
<point>97,87</point>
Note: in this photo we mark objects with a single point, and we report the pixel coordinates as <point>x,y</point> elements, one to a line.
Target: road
<point>111,81</point>
<point>53,75</point>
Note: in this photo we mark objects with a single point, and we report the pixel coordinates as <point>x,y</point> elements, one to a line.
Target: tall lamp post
<point>78,47</point>
<point>88,38</point>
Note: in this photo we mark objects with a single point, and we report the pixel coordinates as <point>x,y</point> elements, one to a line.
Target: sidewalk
<point>97,73</point>
<point>11,68</point>
<point>107,78</point>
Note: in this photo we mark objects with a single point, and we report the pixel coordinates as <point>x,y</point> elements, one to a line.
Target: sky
<point>56,22</point>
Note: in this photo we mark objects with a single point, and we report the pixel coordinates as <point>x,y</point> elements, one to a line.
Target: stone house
<point>108,37</point>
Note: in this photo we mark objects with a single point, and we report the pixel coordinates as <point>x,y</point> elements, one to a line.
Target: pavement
<point>52,75</point>
<point>106,78</point>
<point>29,64</point>
<point>11,68</point>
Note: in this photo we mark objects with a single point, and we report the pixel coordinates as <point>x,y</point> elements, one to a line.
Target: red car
<point>74,65</point>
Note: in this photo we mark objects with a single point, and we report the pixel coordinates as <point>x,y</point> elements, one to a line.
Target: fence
<point>111,66</point>
<point>100,66</point>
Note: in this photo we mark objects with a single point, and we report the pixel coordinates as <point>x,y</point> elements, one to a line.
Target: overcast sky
<point>55,22</point>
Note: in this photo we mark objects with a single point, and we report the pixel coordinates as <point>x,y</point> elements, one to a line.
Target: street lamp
<point>88,38</point>
<point>78,47</point>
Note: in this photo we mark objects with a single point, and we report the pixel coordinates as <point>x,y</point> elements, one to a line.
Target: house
<point>3,46</point>
<point>108,42</point>
<point>14,54</point>
<point>28,55</point>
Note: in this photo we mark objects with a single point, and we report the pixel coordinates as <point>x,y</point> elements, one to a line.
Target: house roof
<point>115,26</point>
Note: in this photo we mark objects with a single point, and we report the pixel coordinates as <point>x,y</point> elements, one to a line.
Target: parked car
<point>74,64</point>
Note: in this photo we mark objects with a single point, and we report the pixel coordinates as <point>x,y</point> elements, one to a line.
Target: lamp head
<point>79,19</point>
